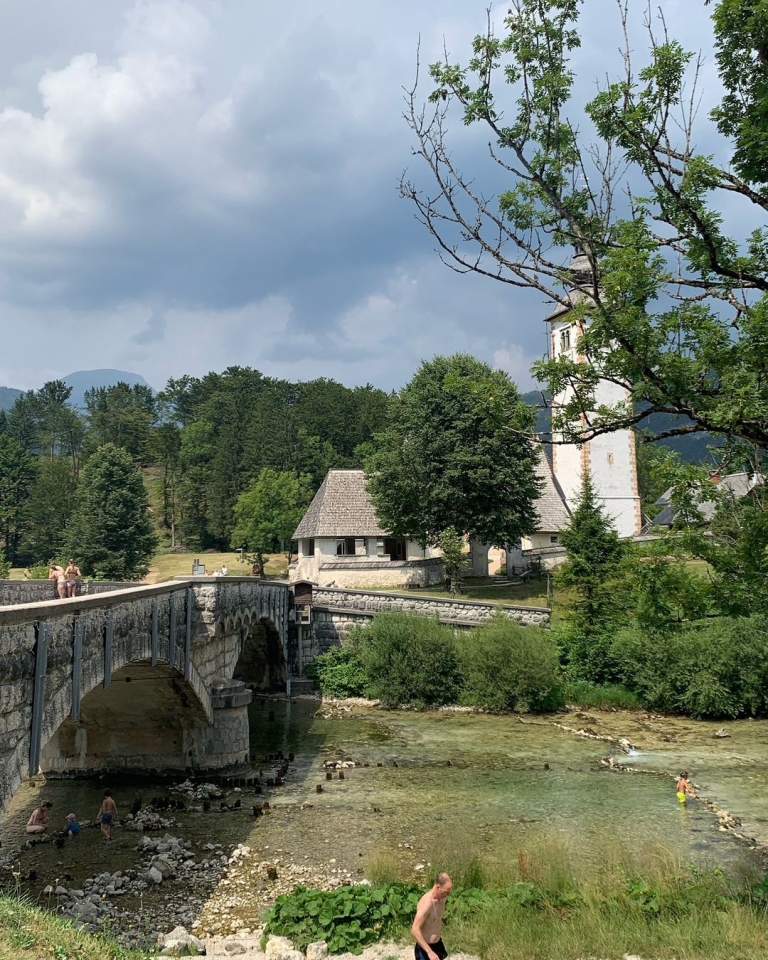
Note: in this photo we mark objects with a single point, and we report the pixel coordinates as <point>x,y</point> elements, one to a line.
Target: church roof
<point>551,509</point>
<point>341,508</point>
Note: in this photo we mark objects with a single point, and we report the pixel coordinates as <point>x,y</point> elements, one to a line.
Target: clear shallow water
<point>446,780</point>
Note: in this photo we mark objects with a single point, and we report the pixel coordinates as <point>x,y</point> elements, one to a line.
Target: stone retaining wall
<point>467,612</point>
<point>336,612</point>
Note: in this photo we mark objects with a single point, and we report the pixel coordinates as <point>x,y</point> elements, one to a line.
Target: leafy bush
<point>5,567</point>
<point>39,571</point>
<point>347,918</point>
<point>509,667</point>
<point>708,669</point>
<point>338,673</point>
<point>409,660</point>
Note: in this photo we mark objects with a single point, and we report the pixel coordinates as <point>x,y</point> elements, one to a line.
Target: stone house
<point>553,516</point>
<point>342,543</point>
<point>738,485</point>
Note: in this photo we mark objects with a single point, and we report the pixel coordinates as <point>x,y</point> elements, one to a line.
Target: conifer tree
<point>110,532</point>
<point>595,553</point>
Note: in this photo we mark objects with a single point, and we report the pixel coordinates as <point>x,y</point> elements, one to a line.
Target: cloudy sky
<point>189,184</point>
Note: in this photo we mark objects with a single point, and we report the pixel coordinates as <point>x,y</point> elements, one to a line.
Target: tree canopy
<point>457,452</point>
<point>110,530</point>
<point>675,295</point>
<point>269,510</point>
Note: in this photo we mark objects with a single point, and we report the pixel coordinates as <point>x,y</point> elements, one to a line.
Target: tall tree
<point>591,571</point>
<point>457,452</point>
<point>676,306</point>
<point>17,474</point>
<point>269,510</point>
<point>110,531</point>
<point>123,415</point>
<point>48,509</point>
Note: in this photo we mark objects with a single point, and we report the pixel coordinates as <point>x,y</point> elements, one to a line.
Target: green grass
<point>481,588</point>
<point>165,566</point>
<point>582,693</point>
<point>544,902</point>
<point>27,933</point>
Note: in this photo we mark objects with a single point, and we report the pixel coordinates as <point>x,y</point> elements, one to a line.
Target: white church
<point>611,457</point>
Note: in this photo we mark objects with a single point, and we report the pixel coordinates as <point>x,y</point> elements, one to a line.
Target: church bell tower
<point>610,457</point>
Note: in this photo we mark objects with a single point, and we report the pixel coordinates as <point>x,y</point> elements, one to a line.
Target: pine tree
<point>593,567</point>
<point>110,532</point>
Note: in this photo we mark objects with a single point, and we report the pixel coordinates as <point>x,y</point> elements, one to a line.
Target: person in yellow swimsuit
<point>684,788</point>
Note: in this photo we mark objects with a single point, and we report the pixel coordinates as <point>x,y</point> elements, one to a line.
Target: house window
<point>309,547</point>
<point>395,547</point>
<point>345,547</point>
<point>565,340</point>
<point>553,539</point>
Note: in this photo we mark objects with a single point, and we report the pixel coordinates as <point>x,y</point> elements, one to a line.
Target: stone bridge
<point>146,678</point>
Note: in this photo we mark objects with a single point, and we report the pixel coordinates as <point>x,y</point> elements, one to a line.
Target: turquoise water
<point>441,782</point>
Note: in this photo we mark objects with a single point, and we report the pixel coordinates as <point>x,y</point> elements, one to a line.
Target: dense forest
<point>199,443</point>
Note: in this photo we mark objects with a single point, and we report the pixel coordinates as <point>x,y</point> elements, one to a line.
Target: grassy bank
<point>165,566</point>
<point>30,934</point>
<point>544,903</point>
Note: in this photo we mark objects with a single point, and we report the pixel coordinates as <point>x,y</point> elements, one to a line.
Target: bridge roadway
<point>139,678</point>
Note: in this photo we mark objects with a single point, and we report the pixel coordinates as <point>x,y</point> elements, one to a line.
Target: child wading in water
<point>107,812</point>
<point>684,789</point>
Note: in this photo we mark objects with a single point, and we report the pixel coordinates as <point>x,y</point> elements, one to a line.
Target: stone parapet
<point>37,591</point>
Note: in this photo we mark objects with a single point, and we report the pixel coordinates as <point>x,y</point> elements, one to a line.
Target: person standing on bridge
<point>107,813</point>
<point>56,572</point>
<point>73,575</point>
<point>428,922</point>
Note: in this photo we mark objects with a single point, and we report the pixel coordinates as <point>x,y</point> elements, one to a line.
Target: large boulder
<point>281,948</point>
<point>180,943</point>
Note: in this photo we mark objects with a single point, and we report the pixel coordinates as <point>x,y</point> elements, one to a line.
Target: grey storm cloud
<point>187,184</point>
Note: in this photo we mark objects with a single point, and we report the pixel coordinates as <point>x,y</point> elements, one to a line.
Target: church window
<point>610,459</point>
<point>565,339</point>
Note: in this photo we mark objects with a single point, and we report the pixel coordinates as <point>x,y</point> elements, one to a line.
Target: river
<point>424,783</point>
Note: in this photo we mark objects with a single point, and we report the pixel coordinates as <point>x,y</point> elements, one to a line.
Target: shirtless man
<point>72,575</point>
<point>428,922</point>
<point>107,813</point>
<point>57,573</point>
<point>684,788</point>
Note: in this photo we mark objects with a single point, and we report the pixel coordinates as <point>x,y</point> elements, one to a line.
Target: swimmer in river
<point>38,821</point>
<point>684,788</point>
<point>107,813</point>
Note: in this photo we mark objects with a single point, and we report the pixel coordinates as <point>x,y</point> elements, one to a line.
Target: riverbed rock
<point>317,950</point>
<point>281,948</point>
<point>721,734</point>
<point>180,943</point>
<point>154,875</point>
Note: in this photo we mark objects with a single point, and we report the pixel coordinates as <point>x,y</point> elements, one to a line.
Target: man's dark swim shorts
<point>438,947</point>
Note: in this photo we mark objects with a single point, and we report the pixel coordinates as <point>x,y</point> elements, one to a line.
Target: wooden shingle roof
<point>551,509</point>
<point>341,508</point>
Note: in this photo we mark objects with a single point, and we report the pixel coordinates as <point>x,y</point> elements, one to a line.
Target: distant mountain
<point>8,397</point>
<point>692,447</point>
<point>83,380</point>
<point>80,381</point>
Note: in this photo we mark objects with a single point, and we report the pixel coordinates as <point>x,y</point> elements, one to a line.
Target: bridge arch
<point>148,719</point>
